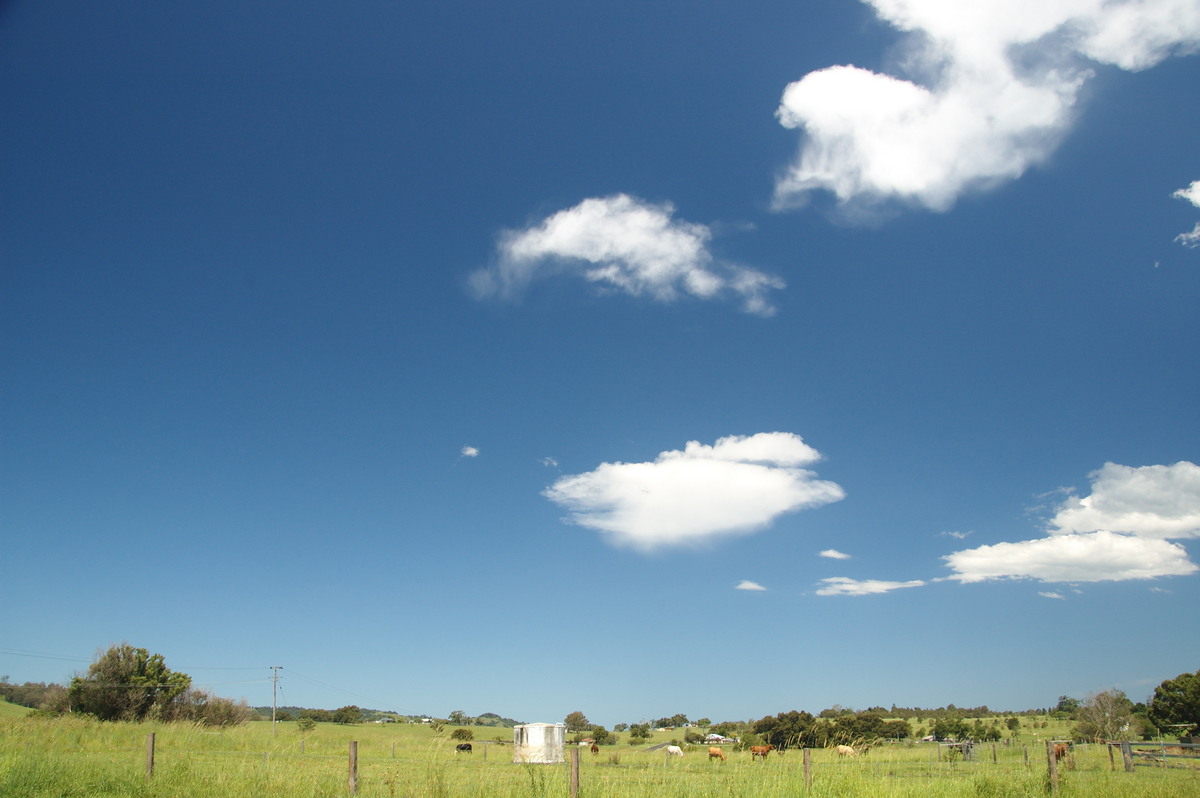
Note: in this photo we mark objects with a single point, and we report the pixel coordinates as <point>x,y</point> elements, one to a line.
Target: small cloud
<point>625,244</point>
<point>844,586</point>
<point>736,486</point>
<point>549,462</point>
<point>1192,195</point>
<point>1051,595</point>
<point>746,584</point>
<point>957,535</point>
<point>469,451</point>
<point>834,554</point>
<point>1159,590</point>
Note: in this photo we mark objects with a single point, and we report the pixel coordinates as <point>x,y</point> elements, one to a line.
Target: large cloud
<point>1083,557</point>
<point>1157,501</point>
<point>988,89</point>
<point>625,244</point>
<point>737,485</point>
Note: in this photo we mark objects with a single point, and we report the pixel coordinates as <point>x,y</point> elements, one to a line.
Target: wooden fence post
<point>808,768</point>
<point>354,767</point>
<point>1052,765</point>
<point>575,772</point>
<point>150,755</point>
<point>993,753</point>
<point>1127,757</point>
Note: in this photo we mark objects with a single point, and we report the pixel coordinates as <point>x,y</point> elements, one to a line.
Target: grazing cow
<point>595,749</point>
<point>846,750</point>
<point>1060,751</point>
<point>716,753</point>
<point>760,751</point>
<point>463,748</point>
<point>674,750</point>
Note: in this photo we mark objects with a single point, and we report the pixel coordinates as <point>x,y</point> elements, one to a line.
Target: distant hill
<point>492,719</point>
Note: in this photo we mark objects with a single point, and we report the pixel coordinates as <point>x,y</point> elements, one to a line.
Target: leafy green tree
<point>639,732</point>
<point>1175,706</point>
<point>600,735</point>
<point>577,722</point>
<point>458,718</point>
<point>620,727</point>
<point>1066,706</point>
<point>787,730</point>
<point>347,715</point>
<point>951,729</point>
<point>305,724</point>
<point>127,683</point>
<point>462,734</point>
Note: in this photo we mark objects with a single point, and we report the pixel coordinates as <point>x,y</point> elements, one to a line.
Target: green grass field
<point>76,757</point>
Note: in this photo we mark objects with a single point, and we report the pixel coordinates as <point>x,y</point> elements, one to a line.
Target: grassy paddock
<point>76,757</point>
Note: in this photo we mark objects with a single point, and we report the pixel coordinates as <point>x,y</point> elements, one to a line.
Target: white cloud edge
<point>746,584</point>
<point>624,244</point>
<point>834,554</point>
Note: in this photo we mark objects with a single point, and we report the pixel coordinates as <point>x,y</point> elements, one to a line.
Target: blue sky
<point>631,358</point>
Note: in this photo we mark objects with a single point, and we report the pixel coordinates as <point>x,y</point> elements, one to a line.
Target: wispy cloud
<point>844,586</point>
<point>957,535</point>
<point>469,451</point>
<point>1192,195</point>
<point>746,584</point>
<point>549,462</point>
<point>1051,595</point>
<point>625,244</point>
<point>985,90</point>
<point>834,554</point>
<point>738,485</point>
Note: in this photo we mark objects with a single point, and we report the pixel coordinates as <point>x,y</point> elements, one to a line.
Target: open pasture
<point>75,757</point>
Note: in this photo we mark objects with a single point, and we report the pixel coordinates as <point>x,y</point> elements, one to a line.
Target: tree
<point>348,714</point>
<point>462,734</point>
<point>1066,706</point>
<point>787,729</point>
<point>127,683</point>
<point>1103,716</point>
<point>1175,706</point>
<point>458,718</point>
<point>704,723</point>
<point>577,722</point>
<point>639,732</point>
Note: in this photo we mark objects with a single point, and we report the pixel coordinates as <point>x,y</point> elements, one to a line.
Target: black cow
<point>463,748</point>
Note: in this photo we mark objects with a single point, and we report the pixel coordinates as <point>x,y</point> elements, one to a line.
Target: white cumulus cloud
<point>1192,195</point>
<point>988,88</point>
<point>1082,557</point>
<point>735,486</point>
<point>834,554</point>
<point>1050,594</point>
<point>1156,501</point>
<point>469,451</point>
<point>623,244</point>
<point>746,584</point>
<point>844,586</point>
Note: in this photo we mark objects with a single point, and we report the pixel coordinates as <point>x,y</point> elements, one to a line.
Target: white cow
<point>674,750</point>
<point>846,750</point>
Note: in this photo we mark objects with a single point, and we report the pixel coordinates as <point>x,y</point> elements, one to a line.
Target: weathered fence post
<point>393,749</point>
<point>1111,764</point>
<point>150,755</point>
<point>575,772</point>
<point>1052,765</point>
<point>1025,750</point>
<point>808,768</point>
<point>354,767</point>
<point>1127,757</point>
<point>993,753</point>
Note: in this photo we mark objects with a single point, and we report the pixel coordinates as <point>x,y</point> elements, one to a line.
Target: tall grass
<point>75,757</point>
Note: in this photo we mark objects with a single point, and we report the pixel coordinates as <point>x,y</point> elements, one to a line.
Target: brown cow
<point>760,751</point>
<point>716,753</point>
<point>1060,751</point>
<point>595,748</point>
